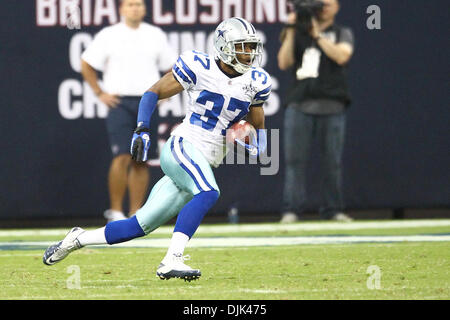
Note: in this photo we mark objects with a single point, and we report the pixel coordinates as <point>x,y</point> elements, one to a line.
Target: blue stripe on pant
<point>194,172</point>
<point>184,166</point>
<point>190,165</point>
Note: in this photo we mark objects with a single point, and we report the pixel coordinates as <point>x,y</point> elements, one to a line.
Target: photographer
<point>318,50</point>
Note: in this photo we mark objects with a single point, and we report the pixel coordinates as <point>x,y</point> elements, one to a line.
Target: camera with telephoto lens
<point>306,9</point>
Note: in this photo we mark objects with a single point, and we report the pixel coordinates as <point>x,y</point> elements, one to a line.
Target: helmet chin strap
<point>239,67</point>
<point>236,65</point>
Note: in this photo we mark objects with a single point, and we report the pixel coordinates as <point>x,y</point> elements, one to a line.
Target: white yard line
<point>262,227</point>
<point>311,226</point>
<point>250,241</point>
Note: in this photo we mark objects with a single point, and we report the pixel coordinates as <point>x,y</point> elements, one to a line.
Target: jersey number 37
<point>218,102</point>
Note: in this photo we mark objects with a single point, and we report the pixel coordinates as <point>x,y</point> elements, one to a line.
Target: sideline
<point>243,241</point>
<point>262,227</point>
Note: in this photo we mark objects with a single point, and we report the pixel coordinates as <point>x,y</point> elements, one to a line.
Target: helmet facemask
<point>251,57</point>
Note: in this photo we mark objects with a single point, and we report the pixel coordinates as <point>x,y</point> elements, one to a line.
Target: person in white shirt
<point>131,54</point>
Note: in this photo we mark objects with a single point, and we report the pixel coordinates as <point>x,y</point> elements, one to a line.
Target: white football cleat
<point>289,217</point>
<point>342,217</point>
<point>113,215</point>
<point>60,250</point>
<point>174,267</point>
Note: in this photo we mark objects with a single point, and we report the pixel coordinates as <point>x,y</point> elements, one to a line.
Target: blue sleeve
<point>146,107</point>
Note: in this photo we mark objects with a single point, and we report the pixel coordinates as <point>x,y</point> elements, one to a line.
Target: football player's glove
<point>140,144</point>
<point>257,145</point>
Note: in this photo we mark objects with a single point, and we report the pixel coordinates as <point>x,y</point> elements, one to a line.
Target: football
<point>241,130</point>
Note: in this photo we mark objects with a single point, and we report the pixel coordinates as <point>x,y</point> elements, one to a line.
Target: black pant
<point>299,131</point>
<point>122,121</point>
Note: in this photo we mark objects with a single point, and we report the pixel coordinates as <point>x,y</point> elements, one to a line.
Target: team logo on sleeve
<point>249,89</point>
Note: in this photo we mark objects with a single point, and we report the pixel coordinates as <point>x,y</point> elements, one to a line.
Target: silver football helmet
<point>230,39</point>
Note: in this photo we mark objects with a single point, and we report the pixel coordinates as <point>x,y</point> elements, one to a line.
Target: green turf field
<point>358,261</point>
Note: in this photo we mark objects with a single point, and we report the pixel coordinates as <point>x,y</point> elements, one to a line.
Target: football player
<point>222,89</point>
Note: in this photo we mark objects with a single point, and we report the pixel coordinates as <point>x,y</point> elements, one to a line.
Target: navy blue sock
<point>123,230</point>
<point>193,212</point>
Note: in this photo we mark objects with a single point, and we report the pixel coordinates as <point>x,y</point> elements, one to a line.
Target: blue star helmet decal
<point>221,33</point>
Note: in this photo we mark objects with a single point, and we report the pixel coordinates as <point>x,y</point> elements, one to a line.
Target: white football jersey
<point>216,101</point>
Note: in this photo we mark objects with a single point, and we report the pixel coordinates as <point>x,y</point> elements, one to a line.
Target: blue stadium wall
<point>54,148</point>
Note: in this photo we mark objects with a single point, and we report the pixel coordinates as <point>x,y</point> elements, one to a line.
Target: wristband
<point>146,107</point>
<point>262,141</point>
